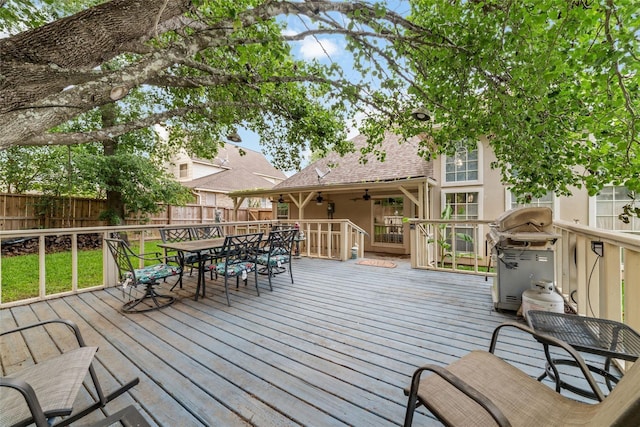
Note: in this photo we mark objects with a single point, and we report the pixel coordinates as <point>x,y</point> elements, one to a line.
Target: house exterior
<point>378,195</point>
<point>234,168</point>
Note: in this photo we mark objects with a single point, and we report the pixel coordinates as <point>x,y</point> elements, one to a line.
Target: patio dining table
<point>200,248</point>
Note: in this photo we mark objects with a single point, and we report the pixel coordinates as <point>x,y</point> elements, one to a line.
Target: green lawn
<point>20,273</point>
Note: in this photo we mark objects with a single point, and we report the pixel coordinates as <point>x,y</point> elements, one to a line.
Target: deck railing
<point>450,245</point>
<point>606,286</point>
<point>332,239</point>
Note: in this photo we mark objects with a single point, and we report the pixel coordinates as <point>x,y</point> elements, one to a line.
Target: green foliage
<point>553,83</point>
<point>142,183</point>
<point>20,278</point>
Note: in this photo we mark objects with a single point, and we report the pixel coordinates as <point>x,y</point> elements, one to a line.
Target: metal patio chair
<point>237,258</point>
<point>44,391</point>
<point>148,276</point>
<point>481,389</point>
<point>278,253</point>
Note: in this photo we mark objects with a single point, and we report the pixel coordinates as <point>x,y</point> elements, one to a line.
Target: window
<point>282,211</point>
<point>609,205</point>
<point>544,201</point>
<point>462,167</point>
<point>461,206</point>
<point>184,170</point>
<point>464,205</point>
<point>387,220</point>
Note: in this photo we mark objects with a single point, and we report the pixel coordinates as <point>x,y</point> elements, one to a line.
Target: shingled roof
<point>243,172</point>
<point>401,162</point>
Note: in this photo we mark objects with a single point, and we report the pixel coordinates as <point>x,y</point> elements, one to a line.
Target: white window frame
<point>186,170</point>
<point>278,210</point>
<point>443,170</point>
<point>593,215</point>
<point>508,201</point>
<point>479,190</point>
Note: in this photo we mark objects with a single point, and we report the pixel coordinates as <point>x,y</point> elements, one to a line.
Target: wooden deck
<point>335,348</point>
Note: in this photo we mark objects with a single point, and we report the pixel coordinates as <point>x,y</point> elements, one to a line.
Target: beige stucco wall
<point>359,211</point>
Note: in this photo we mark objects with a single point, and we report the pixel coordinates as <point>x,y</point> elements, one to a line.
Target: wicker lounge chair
<point>46,390</point>
<point>480,389</point>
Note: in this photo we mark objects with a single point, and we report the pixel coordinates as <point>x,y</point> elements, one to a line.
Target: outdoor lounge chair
<point>41,392</point>
<point>480,389</point>
<point>148,276</point>
<point>278,252</point>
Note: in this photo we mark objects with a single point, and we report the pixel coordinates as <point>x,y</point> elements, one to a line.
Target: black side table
<point>613,340</point>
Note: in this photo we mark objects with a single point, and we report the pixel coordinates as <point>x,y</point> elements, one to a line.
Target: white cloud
<point>312,48</point>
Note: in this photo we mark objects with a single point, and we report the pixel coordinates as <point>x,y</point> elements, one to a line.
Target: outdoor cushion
<point>275,259</point>
<point>154,272</point>
<point>235,269</point>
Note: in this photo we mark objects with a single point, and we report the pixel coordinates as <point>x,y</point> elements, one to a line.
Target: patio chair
<point>147,276</point>
<point>46,390</point>
<point>278,252</point>
<point>237,258</point>
<point>174,235</point>
<point>482,389</point>
<point>207,232</point>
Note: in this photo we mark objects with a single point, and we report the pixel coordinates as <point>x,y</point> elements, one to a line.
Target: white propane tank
<point>542,297</point>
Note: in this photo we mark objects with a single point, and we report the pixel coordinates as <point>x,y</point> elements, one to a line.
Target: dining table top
<point>194,245</point>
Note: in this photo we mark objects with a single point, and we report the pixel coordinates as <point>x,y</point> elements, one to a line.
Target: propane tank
<point>542,296</point>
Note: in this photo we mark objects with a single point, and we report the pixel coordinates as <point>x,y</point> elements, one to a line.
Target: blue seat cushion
<point>274,260</point>
<point>234,269</point>
<point>155,272</point>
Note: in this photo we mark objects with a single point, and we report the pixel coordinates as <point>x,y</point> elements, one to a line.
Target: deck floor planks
<point>155,359</point>
<point>335,348</point>
<point>213,357</point>
<point>304,367</point>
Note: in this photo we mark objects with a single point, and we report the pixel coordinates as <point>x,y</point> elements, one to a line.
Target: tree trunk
<point>115,202</point>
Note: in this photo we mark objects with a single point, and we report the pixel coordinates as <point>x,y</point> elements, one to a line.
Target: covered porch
<point>337,347</point>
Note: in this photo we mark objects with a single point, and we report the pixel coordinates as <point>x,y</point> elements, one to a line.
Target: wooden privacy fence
<point>29,211</point>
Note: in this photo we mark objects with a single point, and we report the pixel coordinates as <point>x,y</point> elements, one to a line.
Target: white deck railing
<point>323,239</point>
<point>605,287</point>
<point>433,248</point>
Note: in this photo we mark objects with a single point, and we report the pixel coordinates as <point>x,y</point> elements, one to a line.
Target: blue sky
<point>325,49</point>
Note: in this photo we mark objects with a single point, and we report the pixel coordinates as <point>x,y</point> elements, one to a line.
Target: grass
<point>20,274</point>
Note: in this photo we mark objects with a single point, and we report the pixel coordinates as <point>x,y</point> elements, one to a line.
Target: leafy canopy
<point>553,83</point>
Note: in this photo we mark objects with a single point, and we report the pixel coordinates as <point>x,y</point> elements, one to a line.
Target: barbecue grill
<point>522,245</point>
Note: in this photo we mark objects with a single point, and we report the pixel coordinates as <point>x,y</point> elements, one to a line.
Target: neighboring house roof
<point>230,157</point>
<point>237,178</point>
<point>401,162</point>
<point>242,172</point>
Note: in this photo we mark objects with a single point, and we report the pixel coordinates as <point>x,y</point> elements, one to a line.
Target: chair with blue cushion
<point>237,258</point>
<point>184,259</point>
<point>278,254</point>
<point>148,276</point>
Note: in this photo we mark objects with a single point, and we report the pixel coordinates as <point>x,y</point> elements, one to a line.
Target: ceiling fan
<point>366,196</point>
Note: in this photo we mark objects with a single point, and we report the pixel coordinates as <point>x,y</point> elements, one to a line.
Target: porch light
<point>366,195</point>
<point>234,137</point>
<point>281,199</point>
<point>421,114</point>
<point>319,199</point>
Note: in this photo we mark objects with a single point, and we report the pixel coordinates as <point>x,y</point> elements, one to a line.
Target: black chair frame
<point>278,250</point>
<point>123,256</point>
<point>39,418</point>
<point>239,253</point>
